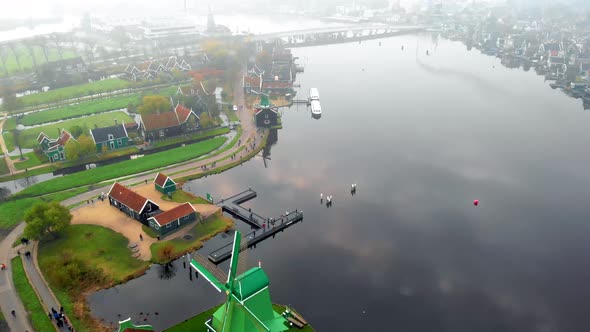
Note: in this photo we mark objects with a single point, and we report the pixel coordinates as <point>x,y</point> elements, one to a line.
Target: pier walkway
<point>263,227</point>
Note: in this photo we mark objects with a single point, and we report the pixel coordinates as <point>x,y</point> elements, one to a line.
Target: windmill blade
<point>234,258</point>
<point>243,259</point>
<point>209,271</point>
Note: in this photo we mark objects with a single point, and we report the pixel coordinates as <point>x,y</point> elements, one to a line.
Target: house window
<point>266,116</point>
<point>111,137</point>
<point>169,225</point>
<point>161,133</point>
<point>61,155</point>
<point>120,142</point>
<point>112,143</point>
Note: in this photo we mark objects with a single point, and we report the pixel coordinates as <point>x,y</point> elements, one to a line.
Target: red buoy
<point>475,202</point>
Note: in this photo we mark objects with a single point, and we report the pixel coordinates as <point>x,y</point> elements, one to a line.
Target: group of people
<point>60,318</point>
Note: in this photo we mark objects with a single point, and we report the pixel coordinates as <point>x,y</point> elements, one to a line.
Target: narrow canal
<point>422,137</point>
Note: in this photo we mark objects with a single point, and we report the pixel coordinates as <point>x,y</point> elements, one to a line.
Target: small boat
<point>316,108</point>
<point>314,94</point>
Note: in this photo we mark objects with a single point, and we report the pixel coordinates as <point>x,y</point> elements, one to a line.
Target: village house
<point>164,184</point>
<point>179,121</point>
<point>110,138</point>
<point>55,149</point>
<point>171,220</point>
<point>131,203</point>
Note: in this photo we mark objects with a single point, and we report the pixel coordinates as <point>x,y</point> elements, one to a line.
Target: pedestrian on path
<point>13,313</point>
<point>140,237</point>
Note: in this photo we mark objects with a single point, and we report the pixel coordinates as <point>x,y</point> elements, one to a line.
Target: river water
<point>422,137</point>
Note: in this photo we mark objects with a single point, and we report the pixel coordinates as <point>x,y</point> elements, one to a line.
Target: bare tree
<point>3,58</point>
<point>57,39</point>
<point>30,45</point>
<point>13,48</point>
<point>42,43</point>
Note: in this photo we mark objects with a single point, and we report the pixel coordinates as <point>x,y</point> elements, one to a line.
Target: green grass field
<point>97,247</point>
<point>124,168</point>
<point>77,110</point>
<point>208,133</point>
<point>32,161</point>
<point>74,91</point>
<point>37,314</point>
<point>29,136</point>
<point>26,61</point>
<point>11,212</point>
<point>3,167</point>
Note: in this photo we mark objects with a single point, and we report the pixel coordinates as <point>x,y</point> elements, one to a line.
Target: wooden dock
<point>263,228</point>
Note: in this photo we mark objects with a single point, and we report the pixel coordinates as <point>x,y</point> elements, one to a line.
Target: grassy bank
<point>203,134</point>
<point>32,160</point>
<point>12,212</point>
<point>74,91</point>
<point>81,109</point>
<point>29,136</point>
<point>124,168</point>
<point>181,196</point>
<point>36,171</point>
<point>26,60</point>
<point>37,313</point>
<point>3,167</point>
<point>202,231</point>
<point>86,257</point>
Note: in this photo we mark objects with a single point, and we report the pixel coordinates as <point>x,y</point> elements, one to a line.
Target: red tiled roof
<point>182,112</point>
<point>130,125</point>
<point>127,197</point>
<point>160,179</point>
<point>169,216</point>
<point>63,138</point>
<point>160,121</point>
<point>253,81</point>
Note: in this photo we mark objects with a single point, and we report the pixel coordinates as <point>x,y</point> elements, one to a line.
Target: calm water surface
<point>422,136</point>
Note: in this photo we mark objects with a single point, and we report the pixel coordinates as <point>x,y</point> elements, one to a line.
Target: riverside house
<point>164,184</point>
<point>171,220</point>
<point>110,138</point>
<point>162,125</point>
<point>132,203</point>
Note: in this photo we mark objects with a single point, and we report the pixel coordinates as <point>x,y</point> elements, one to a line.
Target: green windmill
<point>248,307</point>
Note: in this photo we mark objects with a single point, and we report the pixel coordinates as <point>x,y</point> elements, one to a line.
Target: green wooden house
<point>171,220</point>
<point>55,149</point>
<point>164,184</point>
<point>110,138</point>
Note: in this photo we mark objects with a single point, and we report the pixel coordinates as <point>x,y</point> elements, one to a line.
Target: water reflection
<point>166,271</point>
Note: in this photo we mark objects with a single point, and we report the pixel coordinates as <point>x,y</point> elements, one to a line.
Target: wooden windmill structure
<point>248,307</point>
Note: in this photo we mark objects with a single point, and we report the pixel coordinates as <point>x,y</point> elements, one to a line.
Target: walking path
<point>9,299</point>
<point>9,163</point>
<point>249,131</point>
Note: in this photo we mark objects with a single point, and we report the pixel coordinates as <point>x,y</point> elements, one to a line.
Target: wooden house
<point>55,149</point>
<point>171,220</point>
<point>266,115</point>
<point>110,138</point>
<point>179,121</point>
<point>132,203</point>
<point>164,184</point>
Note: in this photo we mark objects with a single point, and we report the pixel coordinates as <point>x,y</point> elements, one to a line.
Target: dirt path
<point>5,151</point>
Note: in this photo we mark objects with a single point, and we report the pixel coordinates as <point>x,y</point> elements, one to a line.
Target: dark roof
<point>551,47</point>
<point>161,178</point>
<point>169,216</point>
<point>557,59</point>
<point>160,120</point>
<point>128,197</point>
<point>102,134</point>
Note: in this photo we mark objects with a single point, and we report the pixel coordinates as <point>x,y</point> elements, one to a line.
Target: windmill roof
<point>250,282</point>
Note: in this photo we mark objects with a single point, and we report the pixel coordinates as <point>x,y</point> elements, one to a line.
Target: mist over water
<point>422,136</point>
